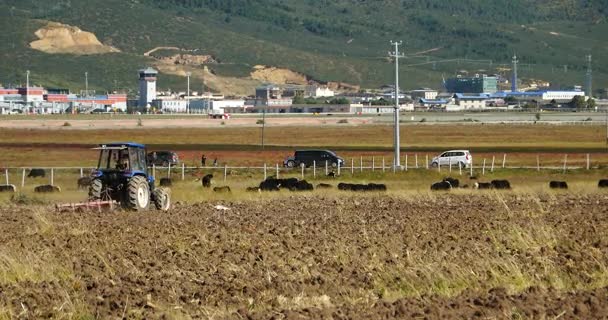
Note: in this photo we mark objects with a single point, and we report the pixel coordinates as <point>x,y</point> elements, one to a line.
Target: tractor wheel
<point>95,189</point>
<point>138,194</point>
<point>162,199</point>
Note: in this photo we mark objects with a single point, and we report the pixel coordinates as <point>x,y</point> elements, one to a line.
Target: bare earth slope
<point>61,38</point>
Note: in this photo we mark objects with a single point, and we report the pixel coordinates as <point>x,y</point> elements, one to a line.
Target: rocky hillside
<point>327,41</point>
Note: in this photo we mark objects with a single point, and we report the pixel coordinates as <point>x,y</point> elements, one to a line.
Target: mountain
<point>322,40</point>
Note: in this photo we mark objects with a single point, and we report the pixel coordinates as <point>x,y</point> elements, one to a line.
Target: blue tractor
<point>122,176</point>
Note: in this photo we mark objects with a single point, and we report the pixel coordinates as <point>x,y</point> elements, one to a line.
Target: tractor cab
<point>122,175</point>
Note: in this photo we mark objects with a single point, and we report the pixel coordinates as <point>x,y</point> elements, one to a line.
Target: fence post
<point>352,166</point>
<point>277,171</point>
<point>565,163</point>
<point>225,171</point>
<point>314,168</point>
<point>382,164</point>
<point>492,170</point>
<point>6,174</point>
<point>588,162</point>
<point>361,164</point>
<point>153,170</point>
<point>183,171</point>
<point>460,168</point>
<point>339,169</point>
<point>169,171</point>
<point>504,160</point>
<point>471,167</point>
<point>537,162</point>
<point>438,165</point>
<point>52,176</point>
<point>406,162</point>
<point>450,164</point>
<point>81,174</point>
<point>426,157</point>
<point>265,171</point>
<point>416,157</point>
<point>483,168</point>
<point>326,169</point>
<point>373,163</point>
<point>302,167</point>
<point>23,178</point>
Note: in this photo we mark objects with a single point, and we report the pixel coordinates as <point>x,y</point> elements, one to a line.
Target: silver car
<point>453,158</point>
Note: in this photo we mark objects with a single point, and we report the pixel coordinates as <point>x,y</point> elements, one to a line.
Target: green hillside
<point>338,40</point>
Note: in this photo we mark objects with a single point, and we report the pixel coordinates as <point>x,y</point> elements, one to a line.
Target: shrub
<point>22,199</point>
<point>259,122</point>
<point>139,123</point>
<point>423,120</point>
<point>343,121</point>
<point>67,124</point>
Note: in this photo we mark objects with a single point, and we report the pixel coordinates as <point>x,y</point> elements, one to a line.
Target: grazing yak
<point>558,185</point>
<point>34,173</point>
<point>482,185</point>
<point>455,183</point>
<point>361,187</point>
<point>331,174</point>
<point>8,188</point>
<point>603,183</point>
<point>84,182</point>
<point>501,184</point>
<point>47,188</point>
<point>221,189</point>
<point>165,182</point>
<point>207,181</point>
<point>441,186</point>
<point>292,184</point>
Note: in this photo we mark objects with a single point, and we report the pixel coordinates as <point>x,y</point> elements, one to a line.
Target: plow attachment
<point>88,206</point>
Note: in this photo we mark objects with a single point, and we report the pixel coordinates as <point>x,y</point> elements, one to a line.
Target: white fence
<point>352,167</point>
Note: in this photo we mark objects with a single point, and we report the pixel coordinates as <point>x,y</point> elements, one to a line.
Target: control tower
<point>147,86</point>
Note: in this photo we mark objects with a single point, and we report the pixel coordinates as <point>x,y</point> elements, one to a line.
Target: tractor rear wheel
<point>162,199</point>
<point>138,194</point>
<point>95,189</point>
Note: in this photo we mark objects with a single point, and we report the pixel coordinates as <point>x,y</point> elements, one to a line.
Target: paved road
<point>498,117</point>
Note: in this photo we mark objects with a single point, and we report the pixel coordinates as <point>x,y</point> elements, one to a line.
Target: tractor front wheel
<point>138,194</point>
<point>162,199</point>
<point>95,189</point>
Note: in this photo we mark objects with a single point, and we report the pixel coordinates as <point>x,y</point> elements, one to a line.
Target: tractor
<point>122,176</point>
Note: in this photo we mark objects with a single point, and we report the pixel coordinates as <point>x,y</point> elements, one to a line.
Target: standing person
<point>215,162</point>
<point>203,160</point>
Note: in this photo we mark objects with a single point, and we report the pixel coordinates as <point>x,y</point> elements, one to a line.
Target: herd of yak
<point>294,184</point>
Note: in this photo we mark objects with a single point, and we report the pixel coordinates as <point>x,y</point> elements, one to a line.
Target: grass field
<point>237,146</point>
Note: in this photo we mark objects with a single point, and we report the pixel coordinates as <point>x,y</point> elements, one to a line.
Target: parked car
<point>308,157</point>
<point>162,158</point>
<point>454,158</point>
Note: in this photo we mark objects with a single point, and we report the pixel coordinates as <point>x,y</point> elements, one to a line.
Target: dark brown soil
<point>497,255</point>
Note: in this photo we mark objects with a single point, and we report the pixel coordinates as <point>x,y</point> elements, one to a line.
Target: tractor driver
<point>123,163</point>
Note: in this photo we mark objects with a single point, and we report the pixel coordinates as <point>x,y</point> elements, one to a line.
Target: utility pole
<point>589,84</point>
<point>188,93</point>
<point>27,80</point>
<point>397,145</point>
<point>264,114</point>
<point>86,83</point>
<point>514,80</point>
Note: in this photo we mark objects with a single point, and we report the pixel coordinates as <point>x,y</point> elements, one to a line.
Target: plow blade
<point>88,206</point>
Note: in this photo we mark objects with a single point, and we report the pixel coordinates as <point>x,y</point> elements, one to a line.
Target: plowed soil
<point>486,256</point>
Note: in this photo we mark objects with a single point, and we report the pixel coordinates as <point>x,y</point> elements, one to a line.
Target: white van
<point>454,158</point>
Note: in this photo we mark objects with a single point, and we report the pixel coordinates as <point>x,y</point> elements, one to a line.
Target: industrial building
<point>476,84</point>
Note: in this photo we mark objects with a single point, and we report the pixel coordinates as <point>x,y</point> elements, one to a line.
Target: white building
<point>317,92</point>
<point>147,86</point>
<point>561,95</point>
<point>470,102</point>
<point>427,94</point>
<point>170,105</point>
<point>216,107</point>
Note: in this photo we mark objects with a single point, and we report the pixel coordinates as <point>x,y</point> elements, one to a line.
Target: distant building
<point>270,99</point>
<point>424,93</point>
<point>147,86</point>
<point>470,102</point>
<point>318,91</point>
<point>169,105</point>
<point>476,84</point>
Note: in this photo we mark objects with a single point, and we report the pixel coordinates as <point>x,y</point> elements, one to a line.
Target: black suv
<point>308,157</point>
<point>162,158</point>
